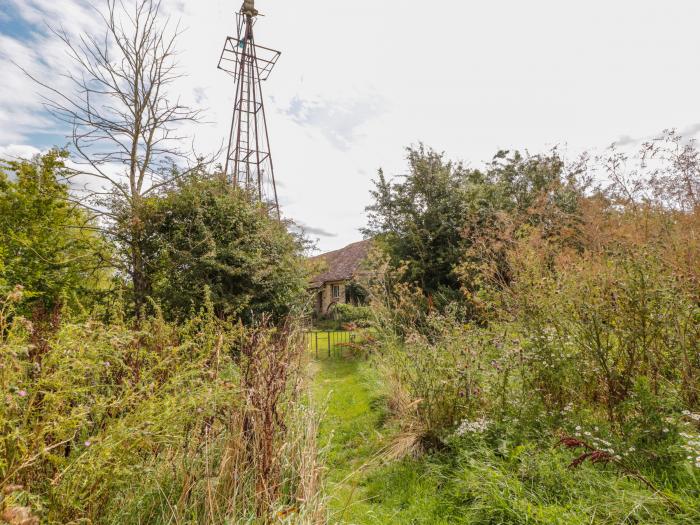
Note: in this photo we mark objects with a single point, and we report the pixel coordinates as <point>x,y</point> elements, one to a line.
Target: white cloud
<point>338,120</point>
<point>358,81</point>
<point>18,151</point>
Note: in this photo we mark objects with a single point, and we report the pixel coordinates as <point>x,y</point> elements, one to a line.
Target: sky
<point>360,81</point>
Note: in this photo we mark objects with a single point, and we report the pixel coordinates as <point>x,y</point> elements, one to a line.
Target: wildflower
<point>16,295</point>
<point>578,427</point>
<point>665,431</point>
<point>88,443</point>
<point>587,433</point>
<point>22,393</point>
<point>631,449</point>
<point>478,426</point>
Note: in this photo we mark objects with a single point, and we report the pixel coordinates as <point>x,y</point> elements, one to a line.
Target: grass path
<point>350,431</point>
<point>361,488</point>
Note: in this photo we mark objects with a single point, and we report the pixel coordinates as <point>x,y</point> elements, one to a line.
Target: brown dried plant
<point>594,455</point>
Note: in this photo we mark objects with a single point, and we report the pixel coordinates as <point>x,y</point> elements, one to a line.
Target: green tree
<point>419,221</point>
<point>47,244</point>
<point>204,234</point>
<point>448,225</point>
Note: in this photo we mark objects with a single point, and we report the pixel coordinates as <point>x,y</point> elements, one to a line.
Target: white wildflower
<point>473,427</point>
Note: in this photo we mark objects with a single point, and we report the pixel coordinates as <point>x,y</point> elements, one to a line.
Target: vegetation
<point>152,359</point>
<point>125,125</point>
<point>204,233</point>
<point>548,375</point>
<point>49,245</point>
<point>527,349</point>
<point>573,343</point>
<point>206,418</point>
<point>346,313</point>
<point>443,222</point>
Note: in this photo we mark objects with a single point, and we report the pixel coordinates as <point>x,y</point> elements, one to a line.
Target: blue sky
<point>13,25</point>
<point>359,81</point>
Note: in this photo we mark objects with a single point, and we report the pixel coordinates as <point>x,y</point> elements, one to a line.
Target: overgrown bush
<point>586,334</point>
<point>111,424</point>
<point>206,233</point>
<point>348,313</point>
<point>48,244</point>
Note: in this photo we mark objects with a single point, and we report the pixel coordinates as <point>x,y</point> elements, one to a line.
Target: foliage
<point>433,379</point>
<point>204,232</point>
<point>446,225</point>
<point>348,313</point>
<point>122,113</point>
<point>585,301</point>
<point>420,220</point>
<point>356,293</point>
<point>107,408</point>
<point>48,244</point>
<point>485,475</point>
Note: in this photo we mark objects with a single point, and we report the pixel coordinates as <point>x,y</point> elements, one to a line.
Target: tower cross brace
<point>249,159</point>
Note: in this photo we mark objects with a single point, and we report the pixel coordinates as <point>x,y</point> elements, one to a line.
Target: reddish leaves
<point>595,456</point>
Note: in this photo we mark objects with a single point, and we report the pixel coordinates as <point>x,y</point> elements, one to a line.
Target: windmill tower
<point>249,160</point>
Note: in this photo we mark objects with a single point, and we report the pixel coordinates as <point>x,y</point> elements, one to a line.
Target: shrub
<point>108,408</point>
<point>348,313</point>
<point>585,317</point>
<point>434,379</point>
<point>206,233</point>
<point>48,245</point>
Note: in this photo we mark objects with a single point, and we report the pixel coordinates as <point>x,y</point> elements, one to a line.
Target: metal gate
<point>327,343</point>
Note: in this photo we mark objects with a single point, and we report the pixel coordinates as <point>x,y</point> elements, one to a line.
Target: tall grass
<point>203,422</point>
<point>594,337</point>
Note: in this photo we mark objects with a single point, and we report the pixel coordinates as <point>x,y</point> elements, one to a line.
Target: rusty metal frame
<point>231,57</point>
<point>249,159</point>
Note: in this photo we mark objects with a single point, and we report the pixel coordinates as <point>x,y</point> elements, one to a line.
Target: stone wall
<point>328,299</point>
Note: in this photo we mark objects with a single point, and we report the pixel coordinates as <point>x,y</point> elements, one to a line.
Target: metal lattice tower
<point>248,159</point>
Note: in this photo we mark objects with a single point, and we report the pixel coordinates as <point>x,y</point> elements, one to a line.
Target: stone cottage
<point>338,270</point>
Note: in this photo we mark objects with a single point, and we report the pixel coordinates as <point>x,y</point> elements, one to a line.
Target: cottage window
<point>335,291</point>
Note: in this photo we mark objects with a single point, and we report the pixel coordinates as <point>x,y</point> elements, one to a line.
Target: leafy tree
<point>204,234</point>
<point>448,225</point>
<point>419,221</point>
<point>47,244</point>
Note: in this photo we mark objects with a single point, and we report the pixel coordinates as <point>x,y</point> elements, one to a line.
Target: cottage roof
<point>341,265</point>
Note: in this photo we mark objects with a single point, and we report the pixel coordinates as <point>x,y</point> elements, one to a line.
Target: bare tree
<point>125,125</point>
<point>674,165</point>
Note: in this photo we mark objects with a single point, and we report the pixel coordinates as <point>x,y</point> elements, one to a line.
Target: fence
<point>329,343</point>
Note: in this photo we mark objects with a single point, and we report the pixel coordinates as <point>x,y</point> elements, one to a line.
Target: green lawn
<point>349,430</point>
